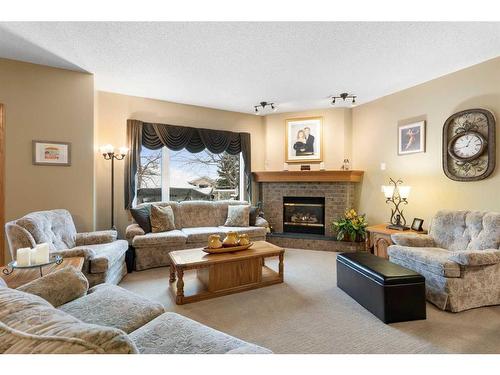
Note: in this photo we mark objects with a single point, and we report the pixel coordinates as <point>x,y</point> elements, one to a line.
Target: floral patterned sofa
<point>194,222</point>
<point>58,314</point>
<point>459,258</point>
<point>104,254</point>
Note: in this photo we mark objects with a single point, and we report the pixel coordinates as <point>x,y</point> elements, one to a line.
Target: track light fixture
<point>262,105</point>
<point>344,96</point>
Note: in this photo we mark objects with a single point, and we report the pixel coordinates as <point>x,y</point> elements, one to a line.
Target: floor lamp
<point>108,152</point>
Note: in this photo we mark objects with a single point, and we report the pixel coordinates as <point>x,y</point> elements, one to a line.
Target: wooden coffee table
<point>23,276</point>
<point>221,274</point>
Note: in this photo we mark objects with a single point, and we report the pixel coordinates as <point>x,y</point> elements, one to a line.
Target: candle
<point>41,255</point>
<point>33,256</point>
<point>23,257</point>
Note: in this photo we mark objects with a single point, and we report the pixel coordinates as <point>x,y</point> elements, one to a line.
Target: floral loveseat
<point>104,254</point>
<point>194,222</point>
<point>460,258</point>
<point>58,314</point>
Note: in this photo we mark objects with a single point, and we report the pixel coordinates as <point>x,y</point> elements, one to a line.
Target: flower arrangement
<point>351,226</point>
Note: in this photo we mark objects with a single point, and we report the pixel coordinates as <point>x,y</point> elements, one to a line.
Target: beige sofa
<point>459,258</point>
<point>194,222</point>
<point>58,314</point>
<point>104,254</point>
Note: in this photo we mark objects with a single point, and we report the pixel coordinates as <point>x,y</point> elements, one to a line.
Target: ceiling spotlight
<point>344,96</point>
<point>263,105</point>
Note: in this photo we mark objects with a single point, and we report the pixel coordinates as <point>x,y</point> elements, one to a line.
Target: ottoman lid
<point>379,269</point>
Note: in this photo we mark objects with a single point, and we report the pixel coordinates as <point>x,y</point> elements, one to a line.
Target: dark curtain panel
<point>155,136</point>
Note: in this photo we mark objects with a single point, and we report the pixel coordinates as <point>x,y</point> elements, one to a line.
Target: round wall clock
<point>469,145</point>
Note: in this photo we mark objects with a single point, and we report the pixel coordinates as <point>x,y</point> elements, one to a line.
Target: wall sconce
<point>396,194</point>
<point>108,152</point>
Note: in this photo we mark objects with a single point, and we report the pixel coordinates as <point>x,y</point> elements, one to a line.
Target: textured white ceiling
<point>235,65</point>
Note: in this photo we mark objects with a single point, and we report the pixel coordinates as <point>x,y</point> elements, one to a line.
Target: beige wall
<point>48,104</point>
<point>336,138</point>
<point>375,141</point>
<point>112,114</point>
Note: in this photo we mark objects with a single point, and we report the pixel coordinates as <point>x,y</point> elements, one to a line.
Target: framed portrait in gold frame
<point>304,140</point>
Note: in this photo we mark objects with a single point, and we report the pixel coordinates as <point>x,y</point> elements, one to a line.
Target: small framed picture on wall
<point>51,153</point>
<point>411,138</point>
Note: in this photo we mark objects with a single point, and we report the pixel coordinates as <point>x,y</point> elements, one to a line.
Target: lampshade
<point>106,149</point>
<point>123,150</point>
<point>388,191</point>
<point>404,191</point>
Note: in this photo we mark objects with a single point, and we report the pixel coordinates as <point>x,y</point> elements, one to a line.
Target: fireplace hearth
<point>304,215</point>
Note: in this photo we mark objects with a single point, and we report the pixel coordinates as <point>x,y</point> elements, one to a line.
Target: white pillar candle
<point>23,256</point>
<point>33,256</point>
<point>41,254</point>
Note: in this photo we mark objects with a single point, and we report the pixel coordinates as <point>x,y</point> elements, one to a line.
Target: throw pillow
<point>254,212</point>
<point>238,216</point>
<point>162,219</point>
<point>141,217</point>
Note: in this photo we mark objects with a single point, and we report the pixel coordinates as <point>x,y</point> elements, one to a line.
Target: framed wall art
<point>304,140</point>
<point>51,153</point>
<point>411,138</point>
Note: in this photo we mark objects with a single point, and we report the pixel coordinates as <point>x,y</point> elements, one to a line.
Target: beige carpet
<point>309,314</point>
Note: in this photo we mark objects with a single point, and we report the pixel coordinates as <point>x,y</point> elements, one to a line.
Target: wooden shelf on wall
<point>308,176</point>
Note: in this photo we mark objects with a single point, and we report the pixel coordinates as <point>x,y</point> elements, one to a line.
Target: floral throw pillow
<point>237,216</point>
<point>162,219</point>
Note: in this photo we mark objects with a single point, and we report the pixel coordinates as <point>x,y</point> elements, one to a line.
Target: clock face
<point>468,146</point>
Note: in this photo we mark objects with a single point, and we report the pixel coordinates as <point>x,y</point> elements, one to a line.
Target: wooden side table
<point>23,276</point>
<point>378,238</point>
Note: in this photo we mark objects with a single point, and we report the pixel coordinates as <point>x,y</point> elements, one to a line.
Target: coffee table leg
<point>180,287</point>
<point>172,273</point>
<point>281,266</point>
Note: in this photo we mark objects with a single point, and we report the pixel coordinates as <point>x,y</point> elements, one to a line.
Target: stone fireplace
<point>301,212</point>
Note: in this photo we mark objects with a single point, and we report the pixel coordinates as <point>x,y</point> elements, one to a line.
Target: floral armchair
<point>459,258</point>
<point>104,254</point>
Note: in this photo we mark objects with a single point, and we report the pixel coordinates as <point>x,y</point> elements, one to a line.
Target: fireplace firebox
<point>304,215</point>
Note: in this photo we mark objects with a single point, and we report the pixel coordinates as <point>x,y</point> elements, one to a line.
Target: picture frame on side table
<point>51,153</point>
<point>411,137</point>
<point>304,140</point>
<point>417,224</point>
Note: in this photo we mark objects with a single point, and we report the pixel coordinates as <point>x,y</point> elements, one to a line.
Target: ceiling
<point>235,65</point>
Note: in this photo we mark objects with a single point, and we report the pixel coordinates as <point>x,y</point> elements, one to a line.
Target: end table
<point>378,238</point>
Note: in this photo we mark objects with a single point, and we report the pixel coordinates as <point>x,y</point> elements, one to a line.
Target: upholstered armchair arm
<point>132,231</point>
<point>18,237</point>
<point>58,287</point>
<point>261,222</point>
<point>413,240</point>
<point>476,257</point>
<point>95,238</point>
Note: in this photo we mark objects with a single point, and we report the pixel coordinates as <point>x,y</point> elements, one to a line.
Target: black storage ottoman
<point>389,291</point>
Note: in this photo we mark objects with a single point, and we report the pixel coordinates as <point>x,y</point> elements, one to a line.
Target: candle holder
<point>57,259</point>
<point>397,194</point>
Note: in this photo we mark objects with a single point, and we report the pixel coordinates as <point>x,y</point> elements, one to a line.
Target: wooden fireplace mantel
<point>308,176</point>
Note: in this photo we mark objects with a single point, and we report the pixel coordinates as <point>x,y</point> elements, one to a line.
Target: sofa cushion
<point>58,287</point>
<point>430,259</point>
<point>238,216</point>
<point>476,257</point>
<point>141,215</point>
<point>200,234</point>
<point>112,306</point>
<point>172,237</point>
<point>29,324</point>
<point>485,234</point>
<point>54,227</point>
<point>252,232</point>
<point>199,214</point>
<point>162,219</point>
<point>105,255</point>
<point>172,333</point>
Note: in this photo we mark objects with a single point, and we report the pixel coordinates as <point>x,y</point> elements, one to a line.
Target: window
<point>181,175</point>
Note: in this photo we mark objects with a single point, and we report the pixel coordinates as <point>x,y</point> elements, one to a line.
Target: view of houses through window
<point>181,175</point>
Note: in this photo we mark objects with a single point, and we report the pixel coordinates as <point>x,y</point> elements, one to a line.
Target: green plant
<point>351,226</point>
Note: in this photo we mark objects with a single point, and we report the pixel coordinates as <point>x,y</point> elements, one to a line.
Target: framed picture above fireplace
<point>304,140</point>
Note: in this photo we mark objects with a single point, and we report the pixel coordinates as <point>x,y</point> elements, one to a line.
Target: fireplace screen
<point>304,215</point>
